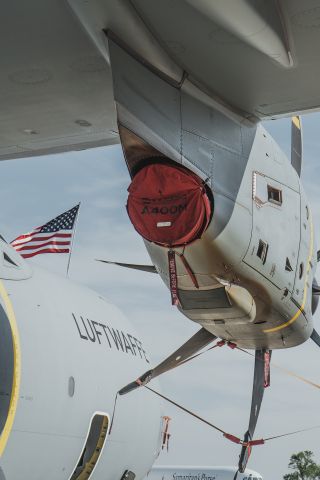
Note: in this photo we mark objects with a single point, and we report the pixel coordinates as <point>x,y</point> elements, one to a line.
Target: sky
<point>218,385</point>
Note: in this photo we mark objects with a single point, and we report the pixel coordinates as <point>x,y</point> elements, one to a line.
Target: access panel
<point>275,240</point>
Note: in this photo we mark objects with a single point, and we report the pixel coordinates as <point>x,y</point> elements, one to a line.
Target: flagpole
<point>72,240</point>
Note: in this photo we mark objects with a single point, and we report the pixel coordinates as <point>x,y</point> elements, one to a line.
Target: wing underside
<point>257,58</point>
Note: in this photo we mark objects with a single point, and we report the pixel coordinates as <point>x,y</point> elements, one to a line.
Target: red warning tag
<point>173,277</point>
<point>267,358</point>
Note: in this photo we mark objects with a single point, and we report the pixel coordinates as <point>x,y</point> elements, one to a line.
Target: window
<point>262,251</point>
<point>71,386</point>
<point>274,195</point>
<point>301,270</point>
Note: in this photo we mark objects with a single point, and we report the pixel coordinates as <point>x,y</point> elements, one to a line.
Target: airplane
<point>183,86</point>
<point>65,352</point>
<point>161,472</point>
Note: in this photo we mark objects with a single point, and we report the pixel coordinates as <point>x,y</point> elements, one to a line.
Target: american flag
<point>53,237</point>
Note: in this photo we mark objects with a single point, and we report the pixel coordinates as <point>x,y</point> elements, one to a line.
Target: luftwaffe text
<point>102,334</point>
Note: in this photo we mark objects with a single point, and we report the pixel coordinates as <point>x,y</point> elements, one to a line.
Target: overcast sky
<point>218,385</point>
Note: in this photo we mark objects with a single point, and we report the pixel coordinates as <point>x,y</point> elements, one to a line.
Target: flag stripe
<point>29,234</point>
<point>52,237</point>
<point>41,245</point>
<point>39,239</point>
<point>45,250</point>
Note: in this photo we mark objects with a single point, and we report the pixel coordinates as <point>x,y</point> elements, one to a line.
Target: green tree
<point>304,467</point>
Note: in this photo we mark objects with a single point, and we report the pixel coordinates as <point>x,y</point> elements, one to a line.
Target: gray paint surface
<point>56,88</point>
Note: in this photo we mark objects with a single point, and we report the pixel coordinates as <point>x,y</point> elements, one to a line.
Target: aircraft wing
<point>257,58</point>
<point>55,87</point>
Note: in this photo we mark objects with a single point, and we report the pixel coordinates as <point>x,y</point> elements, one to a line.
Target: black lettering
<point>98,333</point>
<point>145,356</point>
<point>116,338</point>
<point>81,336</point>
<point>126,343</point>
<point>143,351</point>
<point>122,341</point>
<point>132,344</point>
<point>106,333</point>
<point>164,210</point>
<point>138,346</point>
<point>93,339</point>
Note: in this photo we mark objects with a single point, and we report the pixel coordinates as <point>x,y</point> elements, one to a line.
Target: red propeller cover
<point>168,204</point>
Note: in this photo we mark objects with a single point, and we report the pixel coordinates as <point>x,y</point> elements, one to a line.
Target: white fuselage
<point>199,473</point>
<point>75,350</point>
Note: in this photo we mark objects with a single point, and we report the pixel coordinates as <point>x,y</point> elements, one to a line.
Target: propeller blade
<point>198,341</point>
<point>315,296</point>
<point>260,382</point>
<point>296,144</point>
<point>315,289</point>
<point>315,337</point>
<point>143,268</point>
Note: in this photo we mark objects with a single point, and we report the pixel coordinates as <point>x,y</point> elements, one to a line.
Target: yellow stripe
<point>16,369</point>
<point>300,310</point>
<point>296,122</point>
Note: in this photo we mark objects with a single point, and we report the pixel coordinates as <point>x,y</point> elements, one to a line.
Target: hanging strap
<point>288,434</point>
<point>113,412</point>
<point>267,360</point>
<point>189,270</point>
<point>229,436</point>
<point>203,420</point>
<point>173,278</point>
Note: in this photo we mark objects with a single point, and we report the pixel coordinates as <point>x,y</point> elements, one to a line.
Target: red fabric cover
<point>168,205</point>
